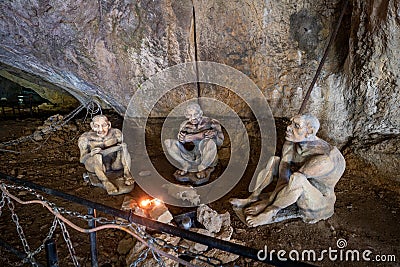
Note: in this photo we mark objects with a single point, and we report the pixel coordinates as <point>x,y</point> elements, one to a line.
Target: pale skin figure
<point>206,135</point>
<point>102,149</point>
<point>307,174</point>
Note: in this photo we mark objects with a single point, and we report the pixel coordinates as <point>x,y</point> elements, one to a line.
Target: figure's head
<point>303,128</point>
<point>101,125</point>
<point>194,113</point>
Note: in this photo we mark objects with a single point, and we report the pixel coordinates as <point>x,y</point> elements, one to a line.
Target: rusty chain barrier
<point>125,221</point>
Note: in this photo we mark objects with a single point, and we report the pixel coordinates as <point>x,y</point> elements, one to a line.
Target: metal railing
<point>131,218</point>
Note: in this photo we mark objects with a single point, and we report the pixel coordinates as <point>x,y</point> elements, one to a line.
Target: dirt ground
<point>367,211</point>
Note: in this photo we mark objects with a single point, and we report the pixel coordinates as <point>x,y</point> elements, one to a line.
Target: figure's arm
<point>216,133</point>
<point>288,151</point>
<point>285,171</point>
<point>182,132</point>
<point>317,166</point>
<point>83,144</point>
<point>184,136</point>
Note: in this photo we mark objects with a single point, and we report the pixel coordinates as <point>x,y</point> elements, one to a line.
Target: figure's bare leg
<point>208,152</point>
<point>174,148</point>
<point>264,178</point>
<point>95,164</point>
<point>286,197</point>
<point>184,169</point>
<point>291,192</point>
<point>126,163</point>
<point>181,172</point>
<point>202,173</point>
<point>257,207</point>
<point>242,202</point>
<point>263,218</point>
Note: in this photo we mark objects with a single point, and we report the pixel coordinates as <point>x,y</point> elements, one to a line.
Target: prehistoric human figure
<point>307,174</point>
<point>205,134</point>
<point>102,149</point>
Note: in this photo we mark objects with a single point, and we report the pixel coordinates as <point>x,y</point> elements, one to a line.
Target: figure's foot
<point>201,174</point>
<point>261,219</point>
<point>181,172</point>
<point>257,207</point>
<point>129,179</point>
<point>111,189</point>
<point>241,202</point>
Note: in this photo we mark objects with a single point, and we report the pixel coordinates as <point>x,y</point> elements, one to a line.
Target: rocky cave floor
<point>367,211</point>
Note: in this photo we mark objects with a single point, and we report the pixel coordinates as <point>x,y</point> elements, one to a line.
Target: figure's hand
<point>209,134</point>
<point>123,145</point>
<point>95,151</point>
<point>182,137</point>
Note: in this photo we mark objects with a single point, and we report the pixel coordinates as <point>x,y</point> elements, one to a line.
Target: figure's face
<point>193,115</point>
<point>101,126</point>
<point>297,131</point>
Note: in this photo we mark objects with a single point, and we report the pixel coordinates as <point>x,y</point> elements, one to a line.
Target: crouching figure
<point>307,174</point>
<point>104,153</point>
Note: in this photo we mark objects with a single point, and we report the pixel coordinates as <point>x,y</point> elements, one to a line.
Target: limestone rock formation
<point>108,49</point>
<point>104,49</point>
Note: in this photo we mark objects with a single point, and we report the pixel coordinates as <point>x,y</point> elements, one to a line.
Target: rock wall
<point>108,49</point>
<point>104,49</point>
<point>278,44</point>
<point>373,73</point>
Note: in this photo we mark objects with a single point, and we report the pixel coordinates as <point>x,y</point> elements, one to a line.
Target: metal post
<point>92,238</point>
<point>212,242</point>
<point>51,253</point>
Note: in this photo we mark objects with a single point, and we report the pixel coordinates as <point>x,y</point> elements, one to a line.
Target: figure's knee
<point>94,162</point>
<point>172,145</point>
<point>297,180</point>
<point>207,144</point>
<point>169,142</point>
<point>208,151</point>
<point>208,148</point>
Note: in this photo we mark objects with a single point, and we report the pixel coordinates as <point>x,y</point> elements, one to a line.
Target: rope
<point>321,64</point>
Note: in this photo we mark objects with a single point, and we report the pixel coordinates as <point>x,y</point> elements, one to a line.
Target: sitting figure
<point>307,174</point>
<point>204,135</point>
<point>102,150</point>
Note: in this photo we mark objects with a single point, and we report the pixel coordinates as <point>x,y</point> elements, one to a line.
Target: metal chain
<point>2,202</point>
<point>52,128</point>
<point>158,258</point>
<point>52,228</point>
<point>62,210</point>
<point>67,239</point>
<point>91,106</point>
<point>21,234</point>
<point>138,229</point>
<point>141,258</point>
<point>49,235</point>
